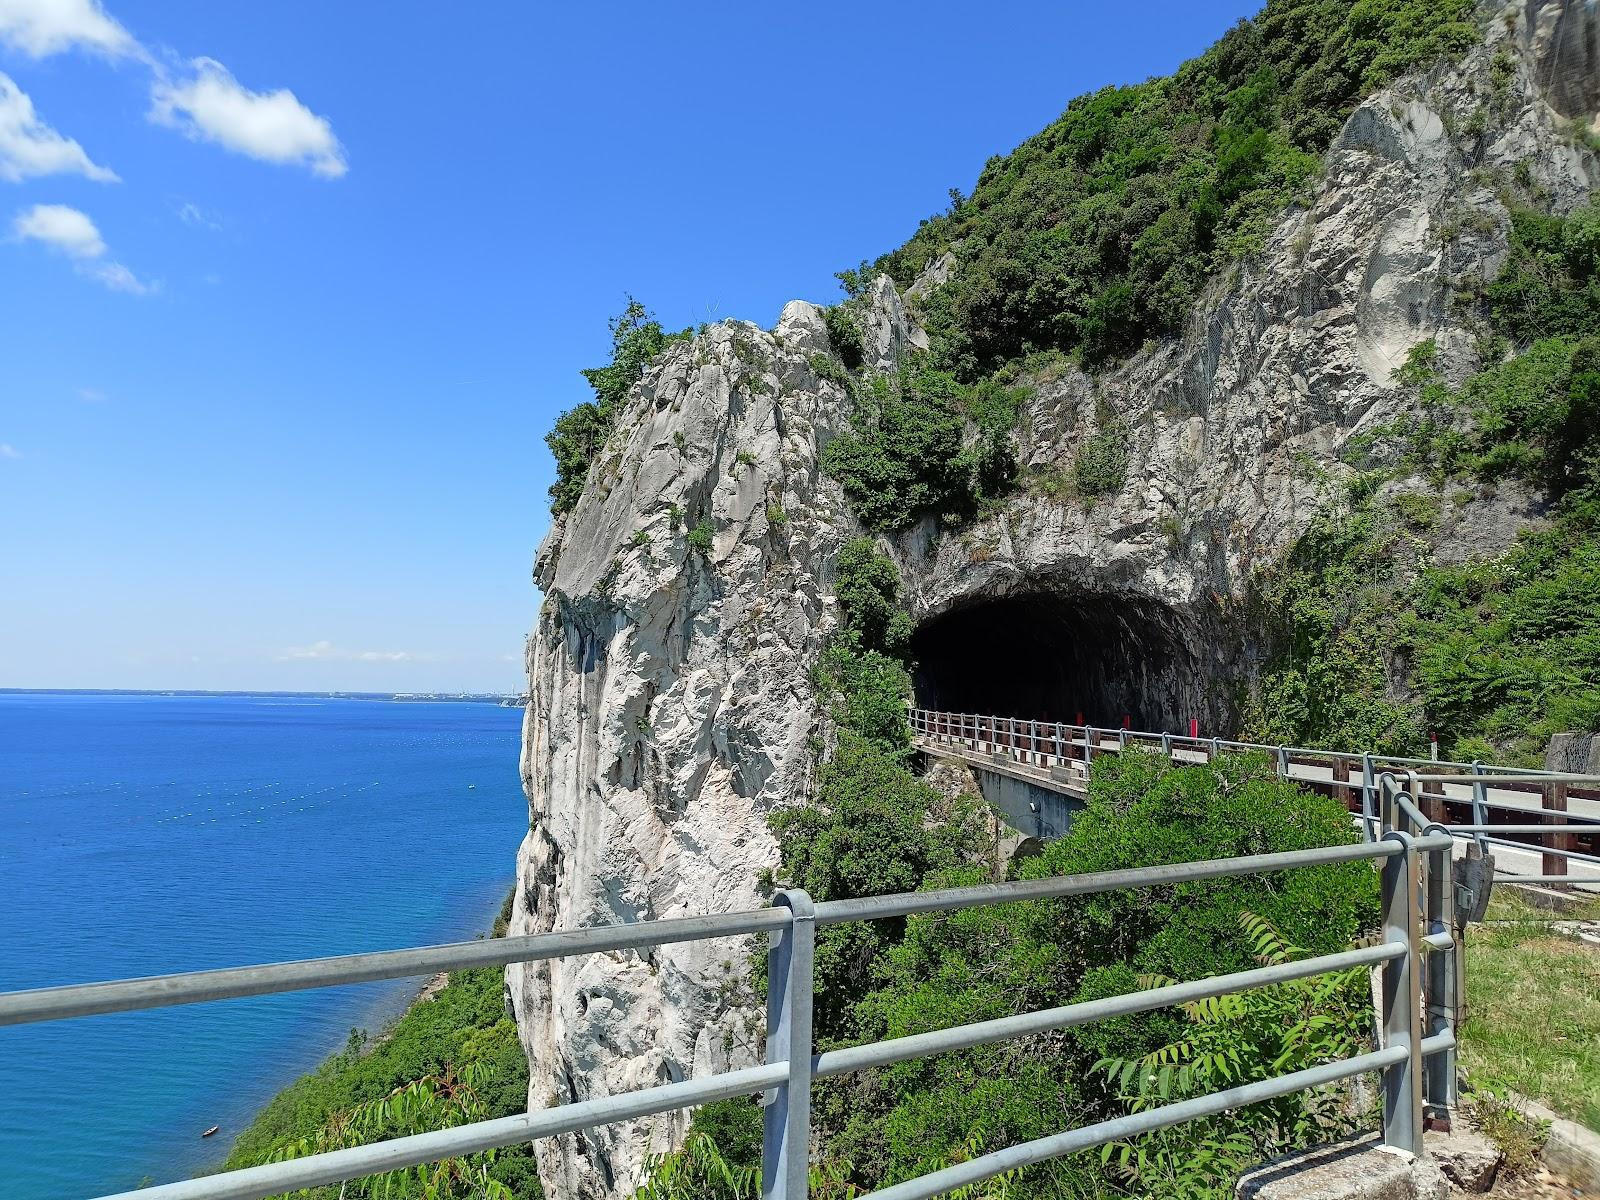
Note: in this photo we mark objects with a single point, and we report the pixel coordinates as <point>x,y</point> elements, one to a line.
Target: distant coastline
<point>505,699</point>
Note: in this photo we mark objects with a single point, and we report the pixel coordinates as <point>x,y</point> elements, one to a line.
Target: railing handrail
<point>1427,782</point>
<point>228,983</point>
<point>792,1064</point>
<point>1511,775</point>
<point>194,987</point>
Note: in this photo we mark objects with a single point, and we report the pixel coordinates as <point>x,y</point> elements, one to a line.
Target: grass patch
<point>1533,1000</point>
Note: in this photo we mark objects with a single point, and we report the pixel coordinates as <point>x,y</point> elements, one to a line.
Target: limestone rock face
<point>686,597</point>
<point>688,593</point>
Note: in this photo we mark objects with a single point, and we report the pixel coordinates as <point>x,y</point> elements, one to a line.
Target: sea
<point>146,834</point>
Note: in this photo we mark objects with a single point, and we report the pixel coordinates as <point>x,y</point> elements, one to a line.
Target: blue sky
<point>292,291</point>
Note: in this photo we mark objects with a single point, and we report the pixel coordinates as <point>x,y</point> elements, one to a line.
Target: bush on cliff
<point>924,444</point>
<point>1100,231</point>
<point>580,432</point>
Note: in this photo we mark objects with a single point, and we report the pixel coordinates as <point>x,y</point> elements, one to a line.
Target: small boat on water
<point>210,1132</point>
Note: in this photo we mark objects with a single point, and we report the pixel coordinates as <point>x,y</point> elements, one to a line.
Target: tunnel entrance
<point>1048,657</point>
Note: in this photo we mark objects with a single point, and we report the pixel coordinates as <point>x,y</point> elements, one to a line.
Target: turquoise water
<point>147,834</point>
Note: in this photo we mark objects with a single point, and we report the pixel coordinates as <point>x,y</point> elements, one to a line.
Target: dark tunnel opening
<point>1049,657</point>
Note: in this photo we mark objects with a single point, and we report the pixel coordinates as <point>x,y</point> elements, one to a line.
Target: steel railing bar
<point>158,991</point>
<point>872,908</point>
<point>1089,1136</point>
<point>981,1033</point>
<point>1593,828</point>
<point>1590,879</point>
<point>375,1158</point>
<point>1509,806</point>
<point>1536,849</point>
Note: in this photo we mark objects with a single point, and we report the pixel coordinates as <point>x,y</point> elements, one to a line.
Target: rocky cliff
<point>688,592</point>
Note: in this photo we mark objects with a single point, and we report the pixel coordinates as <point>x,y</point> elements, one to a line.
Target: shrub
<point>1101,465</point>
<point>461,1036</point>
<point>1550,285</point>
<point>907,455</point>
<point>1229,1041</point>
<point>580,432</point>
<point>700,537</point>
<point>1326,611</point>
<point>831,370</point>
<point>844,335</point>
<point>868,588</point>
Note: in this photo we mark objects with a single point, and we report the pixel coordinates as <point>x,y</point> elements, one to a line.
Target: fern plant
<point>700,1171</point>
<point>438,1101</point>
<point>1234,1039</point>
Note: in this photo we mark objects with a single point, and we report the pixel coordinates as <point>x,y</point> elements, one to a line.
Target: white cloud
<point>327,650</point>
<point>271,126</point>
<point>192,214</point>
<point>29,147</point>
<point>72,233</point>
<point>119,279</point>
<point>7,450</point>
<point>45,27</point>
<point>91,395</point>
<point>61,228</point>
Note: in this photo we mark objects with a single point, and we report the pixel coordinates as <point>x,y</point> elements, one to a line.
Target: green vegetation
<point>700,537</point>
<point>844,336</point>
<point>984,963</point>
<point>636,338</point>
<point>908,454</point>
<point>1551,284</point>
<point>1328,609</point>
<point>1232,1040</point>
<point>1495,655</point>
<point>1533,1012</point>
<point>450,1059</point>
<point>1099,232</point>
<point>1101,465</point>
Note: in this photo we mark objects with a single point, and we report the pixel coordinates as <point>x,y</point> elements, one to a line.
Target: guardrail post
<point>1443,972</point>
<point>1283,762</point>
<point>1480,807</point>
<point>1122,739</point>
<point>1216,748</point>
<point>1402,1025</point>
<point>1387,787</point>
<point>1088,744</point>
<point>1556,864</point>
<point>1166,744</point>
<point>786,1120</point>
<point>1058,759</point>
<point>1341,780</point>
<point>1368,799</point>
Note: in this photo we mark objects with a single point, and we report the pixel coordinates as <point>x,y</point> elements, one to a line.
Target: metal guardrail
<point>1482,789</point>
<point>1415,1011</point>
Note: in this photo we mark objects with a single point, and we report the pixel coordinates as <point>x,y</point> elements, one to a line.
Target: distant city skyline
<point>295,291</point>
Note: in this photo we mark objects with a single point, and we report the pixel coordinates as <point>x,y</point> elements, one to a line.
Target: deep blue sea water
<point>146,834</point>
